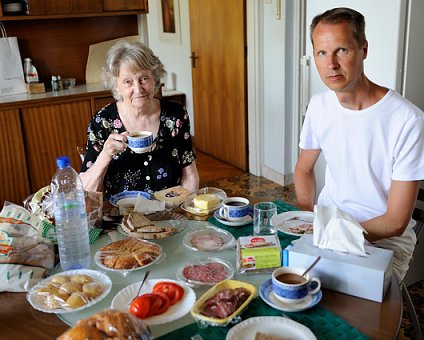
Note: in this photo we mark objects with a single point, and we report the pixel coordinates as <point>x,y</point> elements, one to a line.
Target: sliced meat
<point>207,241</point>
<point>212,272</point>
<point>225,302</point>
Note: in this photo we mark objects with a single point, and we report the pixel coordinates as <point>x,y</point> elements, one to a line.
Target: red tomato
<point>171,289</point>
<point>163,306</point>
<point>140,307</point>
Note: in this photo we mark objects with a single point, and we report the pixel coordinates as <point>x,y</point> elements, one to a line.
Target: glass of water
<point>262,215</point>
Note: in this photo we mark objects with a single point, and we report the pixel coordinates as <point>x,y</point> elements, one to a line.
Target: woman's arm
<point>190,177</point>
<point>92,179</point>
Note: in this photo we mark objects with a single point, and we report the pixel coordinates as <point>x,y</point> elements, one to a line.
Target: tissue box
<point>365,277</point>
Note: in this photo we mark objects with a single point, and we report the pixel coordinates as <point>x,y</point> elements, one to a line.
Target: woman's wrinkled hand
<point>115,144</point>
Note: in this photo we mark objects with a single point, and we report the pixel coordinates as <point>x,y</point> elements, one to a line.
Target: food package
<point>232,294</point>
<point>108,324</point>
<point>258,254</point>
<point>173,197</point>
<point>25,257</point>
<point>40,204</point>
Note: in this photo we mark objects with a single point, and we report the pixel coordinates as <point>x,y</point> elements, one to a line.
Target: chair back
<point>418,214</point>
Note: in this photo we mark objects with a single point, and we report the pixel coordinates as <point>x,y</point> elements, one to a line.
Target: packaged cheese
<point>206,201</point>
<point>258,254</point>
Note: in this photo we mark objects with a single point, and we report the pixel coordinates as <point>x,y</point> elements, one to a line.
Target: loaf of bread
<point>108,324</point>
<point>206,201</point>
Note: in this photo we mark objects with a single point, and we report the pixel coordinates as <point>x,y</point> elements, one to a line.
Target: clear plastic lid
<point>209,239</point>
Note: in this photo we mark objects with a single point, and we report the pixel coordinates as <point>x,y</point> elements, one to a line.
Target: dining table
<point>337,315</point>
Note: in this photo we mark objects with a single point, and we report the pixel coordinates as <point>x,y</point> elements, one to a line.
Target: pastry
<point>128,254</point>
<point>264,336</point>
<point>206,201</point>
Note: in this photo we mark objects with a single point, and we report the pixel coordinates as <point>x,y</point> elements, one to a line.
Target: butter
<point>258,254</point>
<point>206,201</point>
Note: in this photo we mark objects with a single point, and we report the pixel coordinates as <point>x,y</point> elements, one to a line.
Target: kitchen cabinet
<point>43,9</point>
<point>14,181</point>
<point>50,131</point>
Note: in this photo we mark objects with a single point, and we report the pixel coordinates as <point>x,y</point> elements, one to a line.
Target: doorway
<point>218,46</point>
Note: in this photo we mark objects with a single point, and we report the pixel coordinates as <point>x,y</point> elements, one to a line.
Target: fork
<point>142,283</point>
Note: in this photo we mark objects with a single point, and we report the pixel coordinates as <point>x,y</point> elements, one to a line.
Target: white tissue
<point>337,230</point>
<point>144,205</point>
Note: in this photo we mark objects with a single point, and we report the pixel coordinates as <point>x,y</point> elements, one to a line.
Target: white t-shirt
<point>365,150</point>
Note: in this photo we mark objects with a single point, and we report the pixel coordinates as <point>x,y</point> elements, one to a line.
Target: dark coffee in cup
<point>235,204</point>
<point>291,279</point>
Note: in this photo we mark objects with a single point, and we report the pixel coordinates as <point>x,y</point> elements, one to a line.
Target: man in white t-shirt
<point>372,139</point>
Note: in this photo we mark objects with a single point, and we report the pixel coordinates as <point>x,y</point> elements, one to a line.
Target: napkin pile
<point>337,230</point>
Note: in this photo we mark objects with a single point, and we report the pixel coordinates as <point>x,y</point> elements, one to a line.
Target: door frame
<point>255,88</point>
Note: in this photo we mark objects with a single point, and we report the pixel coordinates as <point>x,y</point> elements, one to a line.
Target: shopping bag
<point>11,72</point>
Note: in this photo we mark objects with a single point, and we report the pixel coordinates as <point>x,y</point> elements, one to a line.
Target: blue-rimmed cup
<point>234,208</point>
<point>140,141</point>
<point>289,286</point>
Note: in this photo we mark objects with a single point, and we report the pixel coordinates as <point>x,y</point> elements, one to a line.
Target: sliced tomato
<point>174,291</point>
<point>140,307</point>
<point>164,303</point>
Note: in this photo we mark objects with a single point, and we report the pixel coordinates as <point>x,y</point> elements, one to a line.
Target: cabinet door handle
<point>193,58</point>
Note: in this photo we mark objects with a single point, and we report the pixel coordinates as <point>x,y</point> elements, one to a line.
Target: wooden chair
<point>82,150</point>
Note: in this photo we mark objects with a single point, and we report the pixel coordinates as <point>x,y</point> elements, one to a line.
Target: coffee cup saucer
<point>245,220</point>
<point>266,293</point>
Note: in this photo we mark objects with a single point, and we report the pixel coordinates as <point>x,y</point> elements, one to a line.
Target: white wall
<point>175,56</point>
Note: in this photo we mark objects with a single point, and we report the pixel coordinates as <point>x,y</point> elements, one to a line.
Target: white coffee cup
<point>140,141</point>
<point>234,209</point>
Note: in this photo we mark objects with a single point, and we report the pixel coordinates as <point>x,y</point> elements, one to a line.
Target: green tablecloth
<point>323,323</point>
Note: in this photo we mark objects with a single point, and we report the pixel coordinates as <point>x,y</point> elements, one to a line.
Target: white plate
<point>163,219</point>
<point>246,220</point>
<point>266,293</point>
<point>36,300</point>
<point>292,219</point>
<point>227,239</point>
<point>189,206</point>
<point>123,298</point>
<point>127,198</point>
<point>98,256</point>
<point>273,325</point>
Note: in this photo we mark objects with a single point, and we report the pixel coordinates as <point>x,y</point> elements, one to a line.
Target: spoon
<point>312,265</point>
<point>142,283</point>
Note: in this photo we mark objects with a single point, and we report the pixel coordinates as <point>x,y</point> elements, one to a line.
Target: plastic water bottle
<point>70,217</point>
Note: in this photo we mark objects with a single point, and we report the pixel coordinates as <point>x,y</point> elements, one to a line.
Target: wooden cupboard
<point>14,180</point>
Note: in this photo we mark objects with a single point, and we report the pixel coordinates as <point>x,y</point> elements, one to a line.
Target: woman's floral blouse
<point>151,171</point>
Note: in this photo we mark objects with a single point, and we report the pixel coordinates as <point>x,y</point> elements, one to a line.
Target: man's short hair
<point>342,14</point>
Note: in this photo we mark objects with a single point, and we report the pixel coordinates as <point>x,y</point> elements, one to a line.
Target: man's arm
<point>400,205</point>
<point>304,179</point>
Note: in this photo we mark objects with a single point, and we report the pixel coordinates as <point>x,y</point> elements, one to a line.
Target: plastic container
<point>31,74</point>
<point>70,217</point>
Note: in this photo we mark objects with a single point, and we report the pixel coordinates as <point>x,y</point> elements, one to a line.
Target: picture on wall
<point>169,19</point>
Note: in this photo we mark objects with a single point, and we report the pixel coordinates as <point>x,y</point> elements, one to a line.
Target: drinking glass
<point>262,215</point>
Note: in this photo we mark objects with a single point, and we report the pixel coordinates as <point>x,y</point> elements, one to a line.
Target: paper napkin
<point>144,205</point>
<point>337,230</point>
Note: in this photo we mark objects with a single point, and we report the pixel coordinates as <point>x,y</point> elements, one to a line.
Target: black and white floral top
<point>158,169</point>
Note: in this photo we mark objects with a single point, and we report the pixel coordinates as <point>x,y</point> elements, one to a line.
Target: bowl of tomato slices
<point>159,301</point>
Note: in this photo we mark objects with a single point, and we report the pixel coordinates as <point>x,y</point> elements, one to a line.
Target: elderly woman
<point>132,72</point>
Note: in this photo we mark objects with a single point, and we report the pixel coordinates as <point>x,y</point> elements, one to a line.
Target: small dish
<point>188,205</point>
<point>246,220</point>
<point>123,298</point>
<point>294,223</point>
<point>208,239</point>
<point>196,311</point>
<point>38,300</point>
<point>272,325</point>
<point>127,198</point>
<point>266,293</point>
<point>207,271</point>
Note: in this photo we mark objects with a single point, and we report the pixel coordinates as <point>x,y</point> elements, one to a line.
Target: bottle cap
<point>63,162</point>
